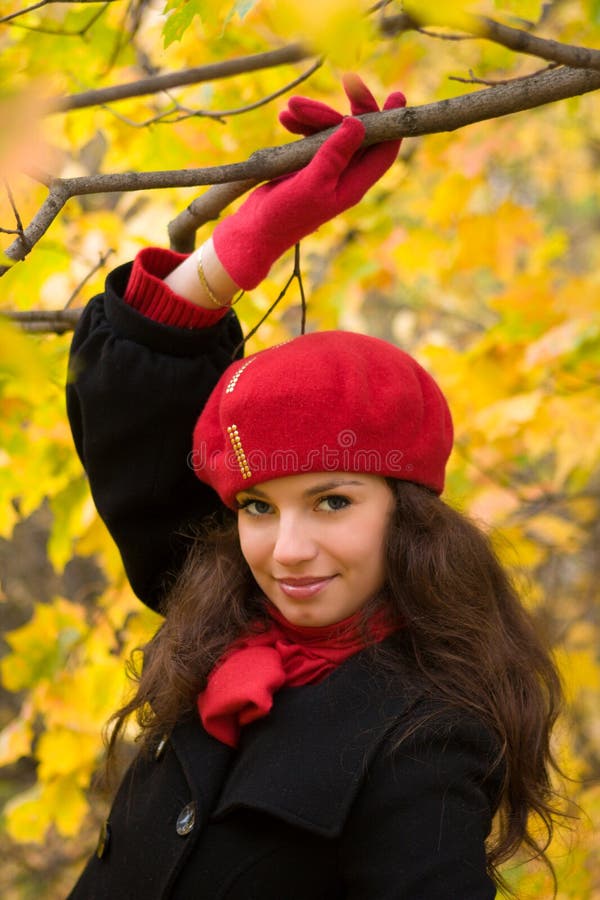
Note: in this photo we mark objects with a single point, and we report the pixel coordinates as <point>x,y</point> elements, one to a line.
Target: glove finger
<point>395,101</point>
<point>360,97</point>
<point>334,156</point>
<point>291,123</point>
<point>372,162</point>
<point>366,169</point>
<point>305,116</point>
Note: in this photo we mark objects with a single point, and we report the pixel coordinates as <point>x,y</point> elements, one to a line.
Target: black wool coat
<point>320,800</point>
<point>315,804</point>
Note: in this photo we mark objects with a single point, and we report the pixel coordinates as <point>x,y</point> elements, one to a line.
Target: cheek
<point>254,543</point>
<point>369,552</point>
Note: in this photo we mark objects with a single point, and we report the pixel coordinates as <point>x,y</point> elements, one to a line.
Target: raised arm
<point>147,352</point>
<point>135,391</point>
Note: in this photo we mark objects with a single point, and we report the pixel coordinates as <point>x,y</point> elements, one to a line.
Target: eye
<point>333,503</point>
<point>254,507</point>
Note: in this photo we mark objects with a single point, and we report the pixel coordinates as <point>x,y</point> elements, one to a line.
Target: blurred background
<point>478,252</point>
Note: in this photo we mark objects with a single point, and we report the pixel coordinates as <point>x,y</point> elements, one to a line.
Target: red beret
<point>329,401</point>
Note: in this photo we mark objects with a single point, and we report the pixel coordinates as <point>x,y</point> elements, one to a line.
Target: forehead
<point>307,484</point>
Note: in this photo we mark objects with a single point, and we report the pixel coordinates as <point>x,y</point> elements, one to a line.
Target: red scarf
<point>241,686</point>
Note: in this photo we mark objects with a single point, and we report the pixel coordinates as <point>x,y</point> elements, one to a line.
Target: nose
<point>294,542</point>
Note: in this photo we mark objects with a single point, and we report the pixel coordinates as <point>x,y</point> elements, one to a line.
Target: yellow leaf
<point>493,504</point>
<point>506,417</point>
<point>29,815</point>
<point>68,804</point>
<point>41,646</point>
<point>64,752</point>
<point>556,532</point>
<point>20,365</point>
<point>82,700</point>
<point>515,549</point>
<point>581,670</point>
<point>15,741</point>
<point>556,342</point>
<point>432,12</point>
<point>338,28</point>
<point>576,441</point>
<point>27,818</point>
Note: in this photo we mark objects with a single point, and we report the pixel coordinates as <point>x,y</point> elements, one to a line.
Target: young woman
<point>346,698</point>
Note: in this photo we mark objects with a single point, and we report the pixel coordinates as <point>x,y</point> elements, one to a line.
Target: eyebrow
<point>310,492</point>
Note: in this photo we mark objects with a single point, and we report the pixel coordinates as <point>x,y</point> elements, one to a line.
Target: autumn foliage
<point>478,252</point>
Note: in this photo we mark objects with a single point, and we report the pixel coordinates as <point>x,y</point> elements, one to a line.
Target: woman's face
<point>315,542</point>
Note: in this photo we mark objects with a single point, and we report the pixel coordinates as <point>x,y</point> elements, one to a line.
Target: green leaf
<point>179,20</point>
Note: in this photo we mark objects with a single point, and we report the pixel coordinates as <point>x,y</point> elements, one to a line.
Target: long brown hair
<point>467,641</point>
<point>474,645</point>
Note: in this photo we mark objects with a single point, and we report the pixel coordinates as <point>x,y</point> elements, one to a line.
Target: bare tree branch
<point>182,229</point>
<point>512,38</point>
<point>178,113</point>
<point>289,54</point>
<point>544,48</point>
<point>445,115</point>
<point>43,321</point>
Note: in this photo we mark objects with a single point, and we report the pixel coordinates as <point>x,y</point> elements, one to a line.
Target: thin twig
<point>473,79</point>
<point>101,262</point>
<point>34,6</point>
<point>62,32</point>
<point>124,34</point>
<point>22,12</point>
<point>264,318</point>
<point>167,118</point>
<point>291,53</point>
<point>445,36</point>
<point>298,274</point>
<point>238,110</point>
<point>20,230</point>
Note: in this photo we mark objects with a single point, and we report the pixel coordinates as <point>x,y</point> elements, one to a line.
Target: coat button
<point>186,819</point>
<point>161,747</point>
<point>103,841</point>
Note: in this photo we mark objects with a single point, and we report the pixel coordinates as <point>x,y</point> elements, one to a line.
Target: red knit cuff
<point>147,292</point>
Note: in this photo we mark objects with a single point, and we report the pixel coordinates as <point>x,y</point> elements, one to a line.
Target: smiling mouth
<point>302,588</point>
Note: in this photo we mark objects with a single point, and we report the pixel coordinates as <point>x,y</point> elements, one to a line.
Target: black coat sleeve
<point>419,825</point>
<point>134,392</point>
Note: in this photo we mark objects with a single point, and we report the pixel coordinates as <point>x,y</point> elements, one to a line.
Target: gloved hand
<point>306,116</point>
<point>281,212</point>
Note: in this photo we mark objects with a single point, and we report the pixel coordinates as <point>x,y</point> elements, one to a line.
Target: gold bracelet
<point>205,284</point>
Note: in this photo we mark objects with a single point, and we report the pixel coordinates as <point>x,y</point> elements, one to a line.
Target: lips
<point>305,587</point>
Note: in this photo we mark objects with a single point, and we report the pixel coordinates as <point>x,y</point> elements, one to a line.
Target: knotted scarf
<point>240,688</point>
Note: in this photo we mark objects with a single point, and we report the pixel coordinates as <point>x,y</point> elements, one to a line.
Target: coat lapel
<point>205,762</point>
<point>305,761</point>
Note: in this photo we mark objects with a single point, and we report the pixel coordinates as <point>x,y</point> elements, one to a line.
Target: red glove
<point>281,212</point>
<point>305,116</point>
